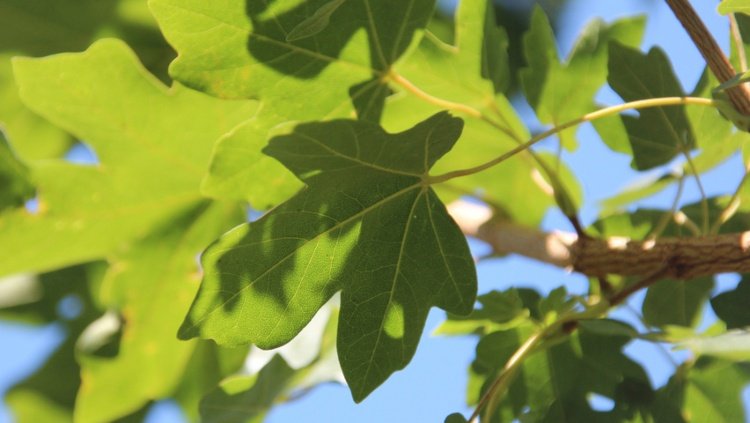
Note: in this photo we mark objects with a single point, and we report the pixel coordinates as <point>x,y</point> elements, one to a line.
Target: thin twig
<point>506,129</point>
<point>502,381</point>
<point>704,198</point>
<point>733,204</point>
<point>664,221</point>
<point>607,111</point>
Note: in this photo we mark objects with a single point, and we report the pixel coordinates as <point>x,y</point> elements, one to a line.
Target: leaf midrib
<point>394,283</point>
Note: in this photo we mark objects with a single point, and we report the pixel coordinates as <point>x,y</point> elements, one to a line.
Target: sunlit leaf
<point>140,207</point>
<point>40,28</point>
<point>734,6</point>
<point>256,59</point>
<point>150,361</point>
<point>733,345</point>
<point>470,71</point>
<point>711,392</point>
<point>151,165</point>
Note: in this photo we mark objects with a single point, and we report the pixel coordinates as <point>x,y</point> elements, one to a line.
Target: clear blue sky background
<point>434,384</point>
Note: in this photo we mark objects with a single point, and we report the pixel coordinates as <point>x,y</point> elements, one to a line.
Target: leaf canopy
<point>152,144</point>
<point>150,166</point>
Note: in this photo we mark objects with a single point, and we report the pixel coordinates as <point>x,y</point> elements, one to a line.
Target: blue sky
<point>433,385</point>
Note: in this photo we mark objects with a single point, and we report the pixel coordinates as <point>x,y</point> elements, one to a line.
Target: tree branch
<point>676,258</point>
<point>711,52</point>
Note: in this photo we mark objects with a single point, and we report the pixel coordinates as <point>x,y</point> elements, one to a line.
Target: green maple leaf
<point>656,135</point>
<point>368,224</point>
<point>558,91</point>
<point>41,28</point>
<point>153,144</point>
<point>713,134</point>
<point>140,208</point>
<point>239,49</point>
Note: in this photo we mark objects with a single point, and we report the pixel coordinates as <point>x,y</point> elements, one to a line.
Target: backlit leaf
<point>555,89</point>
<point>470,71</point>
<point>657,135</point>
<point>734,6</point>
<point>234,48</point>
<point>367,225</point>
<point>140,207</point>
<point>151,165</point>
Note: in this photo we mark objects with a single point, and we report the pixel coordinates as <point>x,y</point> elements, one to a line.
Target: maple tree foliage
<point>367,140</point>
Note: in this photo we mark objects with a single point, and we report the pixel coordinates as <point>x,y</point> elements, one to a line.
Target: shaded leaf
<point>208,366</point>
<point>49,393</point>
<point>456,418</point>
<point>713,134</point>
<point>676,302</point>
<point>332,236</point>
<point>316,23</point>
<point>15,186</point>
<point>256,60</point>
<point>241,399</point>
<point>732,306</point>
<point>247,397</point>
<point>554,383</point>
<point>342,69</point>
<point>656,135</point>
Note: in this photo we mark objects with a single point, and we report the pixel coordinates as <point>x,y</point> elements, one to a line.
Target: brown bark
<point>677,258</point>
<point>711,52</point>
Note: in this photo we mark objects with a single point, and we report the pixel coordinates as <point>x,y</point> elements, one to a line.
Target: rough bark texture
<point>711,52</point>
<point>677,258</point>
